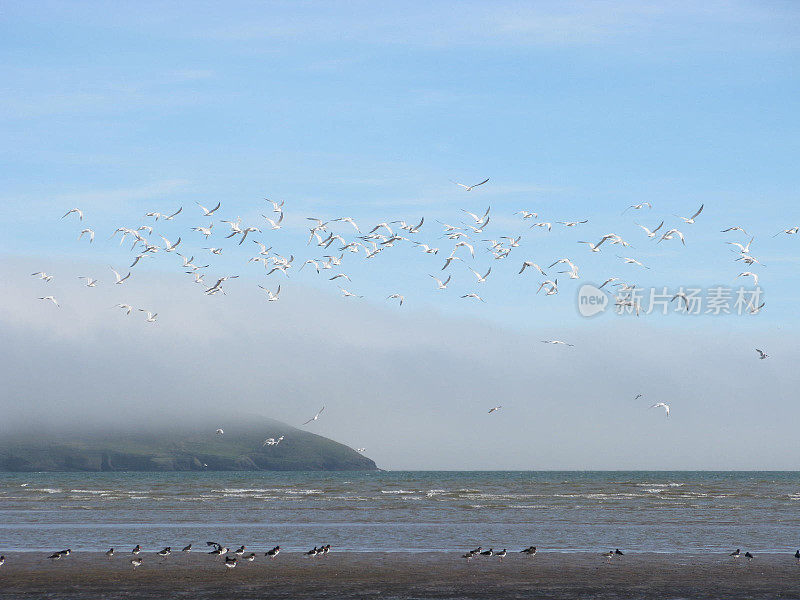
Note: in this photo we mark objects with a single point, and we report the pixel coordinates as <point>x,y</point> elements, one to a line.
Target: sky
<point>370,110</point>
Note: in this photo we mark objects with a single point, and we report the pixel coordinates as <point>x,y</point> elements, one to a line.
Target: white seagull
<point>396,297</point>
<point>469,187</point>
<point>761,354</point>
<point>126,307</point>
<point>556,342</point>
<point>494,408</point>
<point>120,278</point>
<point>42,275</point>
<point>749,274</point>
<point>481,278</point>
<point>651,233</point>
<point>77,211</point>
<point>51,299</point>
<point>207,212</point>
<point>270,296</point>
<point>473,295</point>
<point>529,263</point>
<point>315,417</point>
<point>638,206</point>
<point>691,219</point>
<point>151,317</point>
<point>90,232</point>
<point>441,284</point>
<point>662,404</point>
<point>90,282</point>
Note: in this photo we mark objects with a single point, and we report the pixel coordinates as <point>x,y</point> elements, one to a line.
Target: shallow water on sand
<point>404,511</point>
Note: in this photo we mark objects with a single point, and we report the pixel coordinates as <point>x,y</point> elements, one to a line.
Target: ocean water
<point>689,512</point>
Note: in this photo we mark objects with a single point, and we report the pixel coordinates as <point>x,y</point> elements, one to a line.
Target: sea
<point>666,512</point>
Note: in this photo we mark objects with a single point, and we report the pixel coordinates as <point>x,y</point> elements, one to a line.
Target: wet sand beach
<point>401,575</point>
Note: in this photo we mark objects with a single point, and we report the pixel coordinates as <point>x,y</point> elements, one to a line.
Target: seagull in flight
<point>473,295</point>
<point>691,219</point>
<point>761,354</point>
<point>470,187</point>
<point>274,224</point>
<point>206,212</point>
<point>172,216</point>
<point>90,232</point>
<point>270,296</point>
<point>529,263</point>
<point>670,235</point>
<point>662,404</point>
<point>556,342</point>
<point>651,233</point>
<point>396,297</point>
<point>441,284</point>
<point>632,261</point>
<point>596,247</point>
<point>315,417</point>
<point>151,317</point>
<point>126,307</point>
<point>682,296</point>
<point>51,299</point>
<point>734,228</point>
<point>77,211</point>
<point>494,408</point>
<point>219,432</point>
<point>90,282</point>
<point>637,207</point>
<point>749,274</point>
<point>481,278</point>
<point>790,231</point>
<point>120,278</point>
<point>42,275</point>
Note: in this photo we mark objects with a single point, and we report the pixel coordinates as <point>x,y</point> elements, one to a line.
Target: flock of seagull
<point>219,550</point>
<point>341,236</point>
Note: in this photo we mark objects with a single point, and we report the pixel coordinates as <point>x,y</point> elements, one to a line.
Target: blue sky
<point>368,110</point>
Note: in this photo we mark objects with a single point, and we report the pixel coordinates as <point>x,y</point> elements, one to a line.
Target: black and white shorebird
<point>110,552</point>
<point>530,550</point>
<point>250,557</point>
<point>136,562</point>
<point>489,552</point>
<point>187,548</point>
<point>326,548</point>
<point>608,555</point>
<point>736,553</point>
<point>618,552</point>
<point>274,552</point>
<point>60,554</point>
<point>748,556</point>
<point>240,550</point>
<point>797,556</point>
<point>136,550</point>
<point>313,552</point>
<point>230,561</point>
<point>2,560</point>
<point>501,554</point>
<point>476,551</point>
<point>165,552</point>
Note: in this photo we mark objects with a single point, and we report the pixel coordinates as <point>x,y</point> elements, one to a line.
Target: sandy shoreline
<point>401,575</point>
